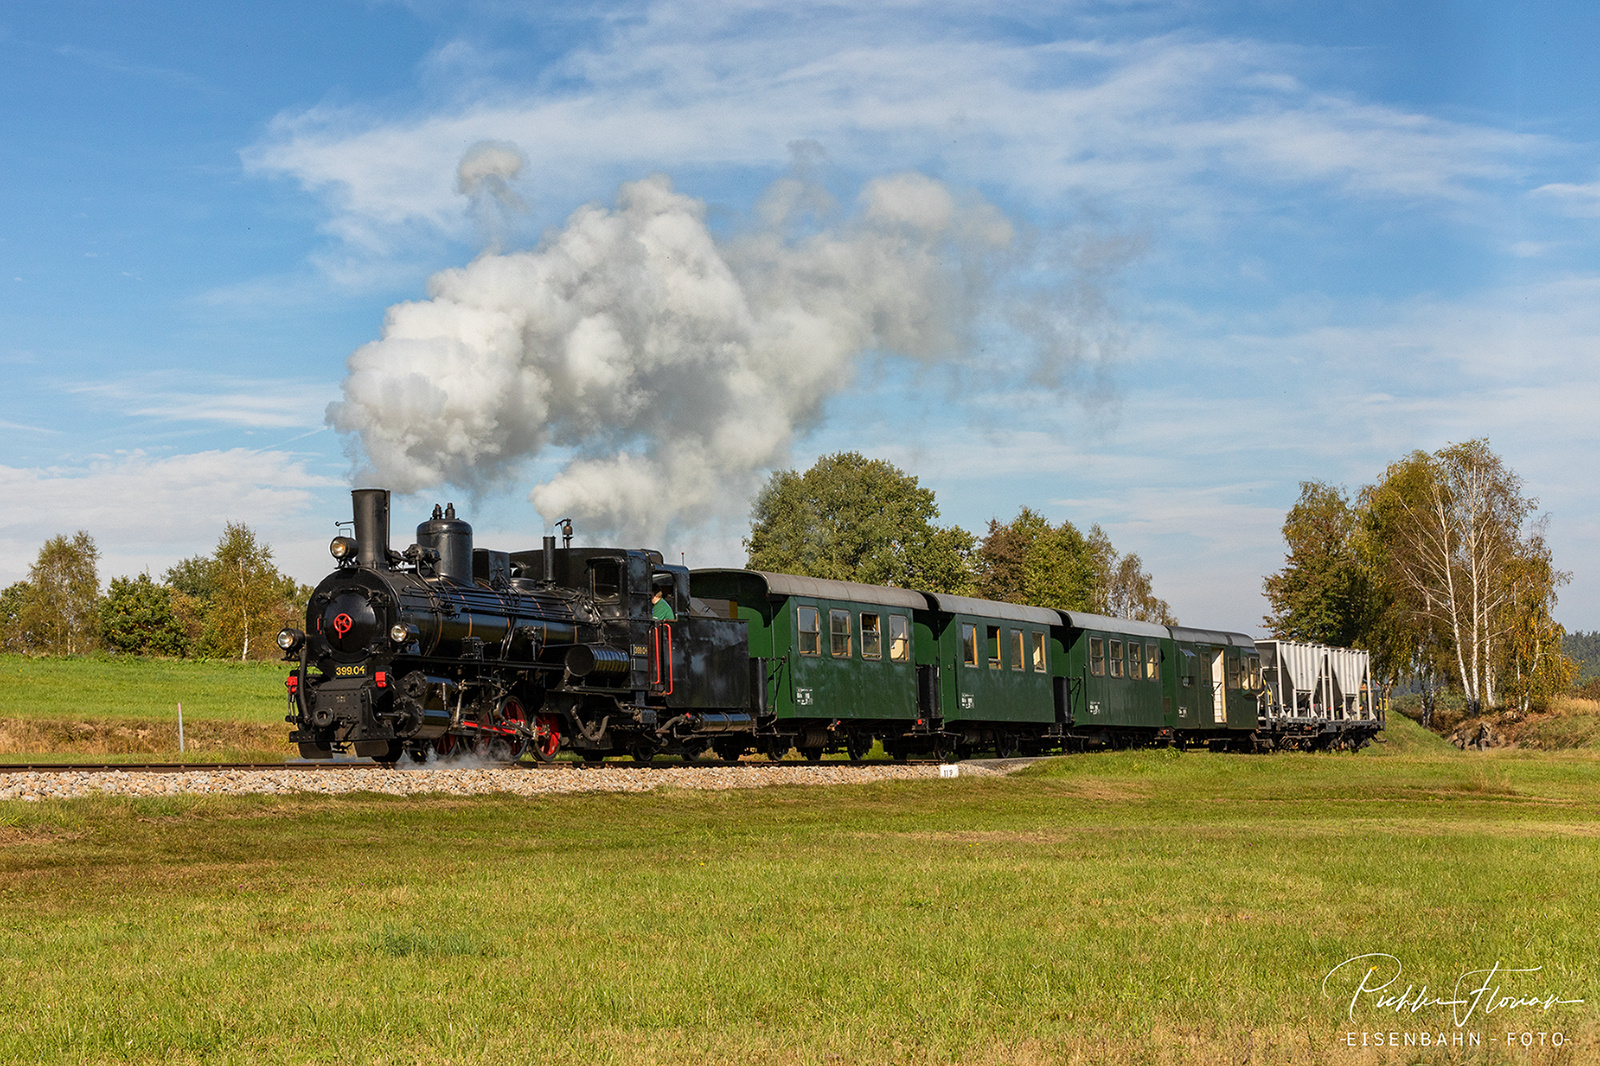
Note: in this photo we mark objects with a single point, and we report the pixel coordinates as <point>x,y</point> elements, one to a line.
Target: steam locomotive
<point>447,647</point>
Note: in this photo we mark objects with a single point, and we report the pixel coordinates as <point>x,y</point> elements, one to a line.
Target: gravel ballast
<point>43,785</point>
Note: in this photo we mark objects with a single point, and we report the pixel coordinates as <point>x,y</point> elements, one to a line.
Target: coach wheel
<point>546,737</point>
<point>857,746</point>
<point>643,752</point>
<point>812,754</point>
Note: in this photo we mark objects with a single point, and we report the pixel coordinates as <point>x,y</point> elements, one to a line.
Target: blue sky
<point>1262,242</point>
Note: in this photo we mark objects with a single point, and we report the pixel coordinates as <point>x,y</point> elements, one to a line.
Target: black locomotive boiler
<point>446,646</point>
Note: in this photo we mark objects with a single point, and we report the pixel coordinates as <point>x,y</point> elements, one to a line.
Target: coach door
<point>1219,691</point>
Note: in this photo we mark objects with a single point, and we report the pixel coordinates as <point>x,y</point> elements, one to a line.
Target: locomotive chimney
<point>549,554</point>
<point>372,527</point>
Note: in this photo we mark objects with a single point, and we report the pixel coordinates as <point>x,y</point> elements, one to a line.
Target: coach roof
<point>1107,624</point>
<point>821,588</point>
<point>1011,612</point>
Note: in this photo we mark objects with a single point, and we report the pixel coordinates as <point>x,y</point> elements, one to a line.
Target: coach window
<point>1018,653</point>
<point>1097,656</point>
<point>899,638</point>
<point>1152,662</point>
<point>839,633</point>
<point>1135,660</point>
<point>871,637</point>
<point>969,645</point>
<point>1038,652</point>
<point>1254,666</point>
<point>993,642</point>
<point>1233,672</point>
<point>1116,658</point>
<point>810,631</point>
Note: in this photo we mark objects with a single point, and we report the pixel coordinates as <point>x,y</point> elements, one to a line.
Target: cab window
<point>871,637</point>
<point>899,638</point>
<point>839,634</point>
<point>1097,656</point>
<point>605,579</point>
<point>810,631</point>
<point>1116,658</point>
<point>969,645</point>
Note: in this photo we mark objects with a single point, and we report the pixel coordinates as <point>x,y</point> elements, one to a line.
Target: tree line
<point>851,518</point>
<point>848,518</point>
<point>229,604</point>
<point>1440,569</point>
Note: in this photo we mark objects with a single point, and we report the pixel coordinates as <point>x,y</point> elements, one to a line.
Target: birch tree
<point>1451,527</point>
<point>59,614</point>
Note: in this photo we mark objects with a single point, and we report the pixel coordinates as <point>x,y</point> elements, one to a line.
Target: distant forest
<point>1584,649</point>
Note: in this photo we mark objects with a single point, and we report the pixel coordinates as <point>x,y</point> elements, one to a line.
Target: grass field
<point>104,708</point>
<point>1123,908</point>
<point>129,688</point>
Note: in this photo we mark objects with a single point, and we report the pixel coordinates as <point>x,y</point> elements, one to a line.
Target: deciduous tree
<point>850,518</point>
<point>13,599</point>
<point>1122,586</point>
<point>59,614</point>
<point>248,592</point>
<point>1450,528</point>
<point>1027,560</point>
<point>1322,595</point>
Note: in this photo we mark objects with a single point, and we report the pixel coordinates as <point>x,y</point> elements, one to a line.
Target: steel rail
<point>345,764</point>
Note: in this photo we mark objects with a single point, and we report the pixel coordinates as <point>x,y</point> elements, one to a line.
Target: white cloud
<point>1577,201</point>
<point>148,511</point>
<point>263,404</point>
<point>1162,123</point>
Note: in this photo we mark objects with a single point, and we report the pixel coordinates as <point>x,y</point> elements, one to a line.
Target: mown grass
<point>126,687</point>
<point>1142,907</point>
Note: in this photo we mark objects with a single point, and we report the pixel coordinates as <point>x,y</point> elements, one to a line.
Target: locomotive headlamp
<point>401,633</point>
<point>290,639</point>
<point>342,548</point>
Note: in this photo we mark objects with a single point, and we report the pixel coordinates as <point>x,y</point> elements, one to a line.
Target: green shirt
<point>662,611</point>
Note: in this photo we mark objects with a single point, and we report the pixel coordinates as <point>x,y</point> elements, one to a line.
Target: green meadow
<point>142,689</point>
<point>1125,908</point>
<point>101,708</point>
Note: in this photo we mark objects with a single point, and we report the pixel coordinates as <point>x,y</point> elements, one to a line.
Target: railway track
<point>353,764</point>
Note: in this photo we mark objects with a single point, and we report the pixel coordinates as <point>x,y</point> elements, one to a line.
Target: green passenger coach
<point>837,658</point>
<point>1115,675</point>
<point>837,665</point>
<point>995,664</point>
<point>1216,687</point>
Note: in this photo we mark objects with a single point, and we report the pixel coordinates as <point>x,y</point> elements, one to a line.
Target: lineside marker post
<point>180,729</point>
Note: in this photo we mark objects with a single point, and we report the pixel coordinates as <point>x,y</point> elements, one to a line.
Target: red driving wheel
<point>546,737</point>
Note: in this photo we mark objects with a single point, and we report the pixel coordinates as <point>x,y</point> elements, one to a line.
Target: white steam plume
<point>677,367</point>
<point>485,175</point>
